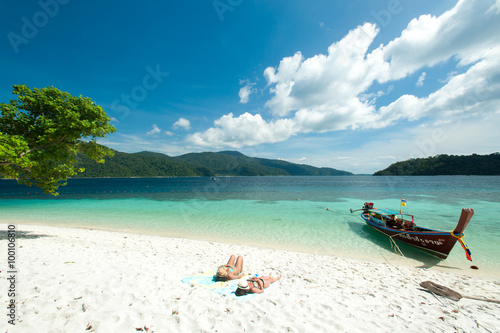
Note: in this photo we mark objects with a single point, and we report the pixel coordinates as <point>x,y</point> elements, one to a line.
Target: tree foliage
<point>43,130</point>
<point>445,165</point>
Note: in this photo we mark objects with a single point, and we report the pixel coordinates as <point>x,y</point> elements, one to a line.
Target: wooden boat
<point>401,228</point>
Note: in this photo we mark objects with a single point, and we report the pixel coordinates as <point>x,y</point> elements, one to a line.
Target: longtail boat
<point>401,227</point>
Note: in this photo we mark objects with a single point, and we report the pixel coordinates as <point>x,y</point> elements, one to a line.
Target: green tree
<point>42,131</point>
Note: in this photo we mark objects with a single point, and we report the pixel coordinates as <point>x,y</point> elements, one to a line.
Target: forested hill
<point>225,163</point>
<point>445,165</point>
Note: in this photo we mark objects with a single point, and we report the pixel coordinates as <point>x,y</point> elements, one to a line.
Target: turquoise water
<point>308,214</point>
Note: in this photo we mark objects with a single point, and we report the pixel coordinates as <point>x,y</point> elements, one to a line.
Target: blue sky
<point>353,85</point>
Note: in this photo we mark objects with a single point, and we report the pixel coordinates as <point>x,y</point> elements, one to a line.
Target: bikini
<point>256,284</point>
<point>224,278</point>
<point>228,267</point>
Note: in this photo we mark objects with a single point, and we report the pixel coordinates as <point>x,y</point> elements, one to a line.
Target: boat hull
<point>438,243</point>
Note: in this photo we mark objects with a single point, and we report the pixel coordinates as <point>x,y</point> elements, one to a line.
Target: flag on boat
<point>403,202</point>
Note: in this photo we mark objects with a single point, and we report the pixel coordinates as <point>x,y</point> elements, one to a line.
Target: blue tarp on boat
<point>385,211</point>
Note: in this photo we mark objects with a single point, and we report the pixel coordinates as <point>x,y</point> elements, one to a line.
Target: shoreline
<point>78,280</point>
<point>390,258</point>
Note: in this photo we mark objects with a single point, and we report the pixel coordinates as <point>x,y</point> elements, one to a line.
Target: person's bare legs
<point>239,265</point>
<point>231,260</point>
<point>268,280</point>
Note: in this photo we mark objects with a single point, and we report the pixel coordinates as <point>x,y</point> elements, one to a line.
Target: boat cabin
<point>389,218</point>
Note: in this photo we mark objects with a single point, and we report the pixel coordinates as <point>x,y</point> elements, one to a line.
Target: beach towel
<point>226,288</point>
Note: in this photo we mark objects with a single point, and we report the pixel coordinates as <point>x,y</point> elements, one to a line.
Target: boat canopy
<point>385,211</point>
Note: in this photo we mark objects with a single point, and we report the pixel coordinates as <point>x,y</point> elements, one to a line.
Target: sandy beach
<point>82,280</point>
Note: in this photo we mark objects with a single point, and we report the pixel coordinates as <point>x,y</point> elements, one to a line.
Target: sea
<point>300,213</point>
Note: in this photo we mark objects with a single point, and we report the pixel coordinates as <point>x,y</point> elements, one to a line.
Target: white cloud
<point>450,76</point>
<point>157,130</point>
<point>465,31</point>
<point>327,84</point>
<point>475,93</point>
<point>371,98</point>
<point>244,94</point>
<point>420,81</point>
<point>330,92</point>
<point>245,91</point>
<point>182,123</point>
<point>154,131</point>
<point>245,130</point>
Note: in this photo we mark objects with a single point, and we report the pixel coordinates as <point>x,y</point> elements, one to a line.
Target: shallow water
<point>308,214</point>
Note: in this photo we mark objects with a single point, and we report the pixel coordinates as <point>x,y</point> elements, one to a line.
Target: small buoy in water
<point>328,209</point>
<point>297,199</point>
<point>474,267</point>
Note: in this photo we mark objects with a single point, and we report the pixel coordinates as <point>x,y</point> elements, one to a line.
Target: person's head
<point>221,273</point>
<point>243,288</point>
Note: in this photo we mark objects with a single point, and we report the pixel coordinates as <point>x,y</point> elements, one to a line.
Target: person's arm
<point>256,290</point>
<point>234,276</point>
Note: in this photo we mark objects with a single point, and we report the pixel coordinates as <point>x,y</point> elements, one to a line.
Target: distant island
<point>445,165</point>
<point>208,164</point>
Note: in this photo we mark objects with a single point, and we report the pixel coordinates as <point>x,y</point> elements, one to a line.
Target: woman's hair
<point>222,272</point>
<point>241,292</point>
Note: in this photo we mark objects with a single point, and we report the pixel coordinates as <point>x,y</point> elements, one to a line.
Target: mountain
<point>445,165</point>
<point>143,164</point>
<point>224,163</point>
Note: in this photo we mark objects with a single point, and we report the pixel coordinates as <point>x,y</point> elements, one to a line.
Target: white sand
<point>78,280</point>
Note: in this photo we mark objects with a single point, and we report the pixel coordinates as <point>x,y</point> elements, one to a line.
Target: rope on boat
<point>393,244</point>
<point>396,247</point>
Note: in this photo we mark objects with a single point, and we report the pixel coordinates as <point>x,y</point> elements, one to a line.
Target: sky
<point>352,85</point>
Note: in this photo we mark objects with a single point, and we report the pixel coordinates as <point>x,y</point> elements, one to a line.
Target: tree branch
<point>43,147</point>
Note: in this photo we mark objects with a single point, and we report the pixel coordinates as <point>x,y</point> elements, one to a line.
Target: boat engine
<point>368,206</point>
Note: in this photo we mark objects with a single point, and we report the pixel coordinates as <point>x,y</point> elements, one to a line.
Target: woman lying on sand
<point>232,270</point>
<point>255,285</point>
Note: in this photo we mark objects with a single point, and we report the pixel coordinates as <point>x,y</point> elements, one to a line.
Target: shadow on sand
<point>21,235</point>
